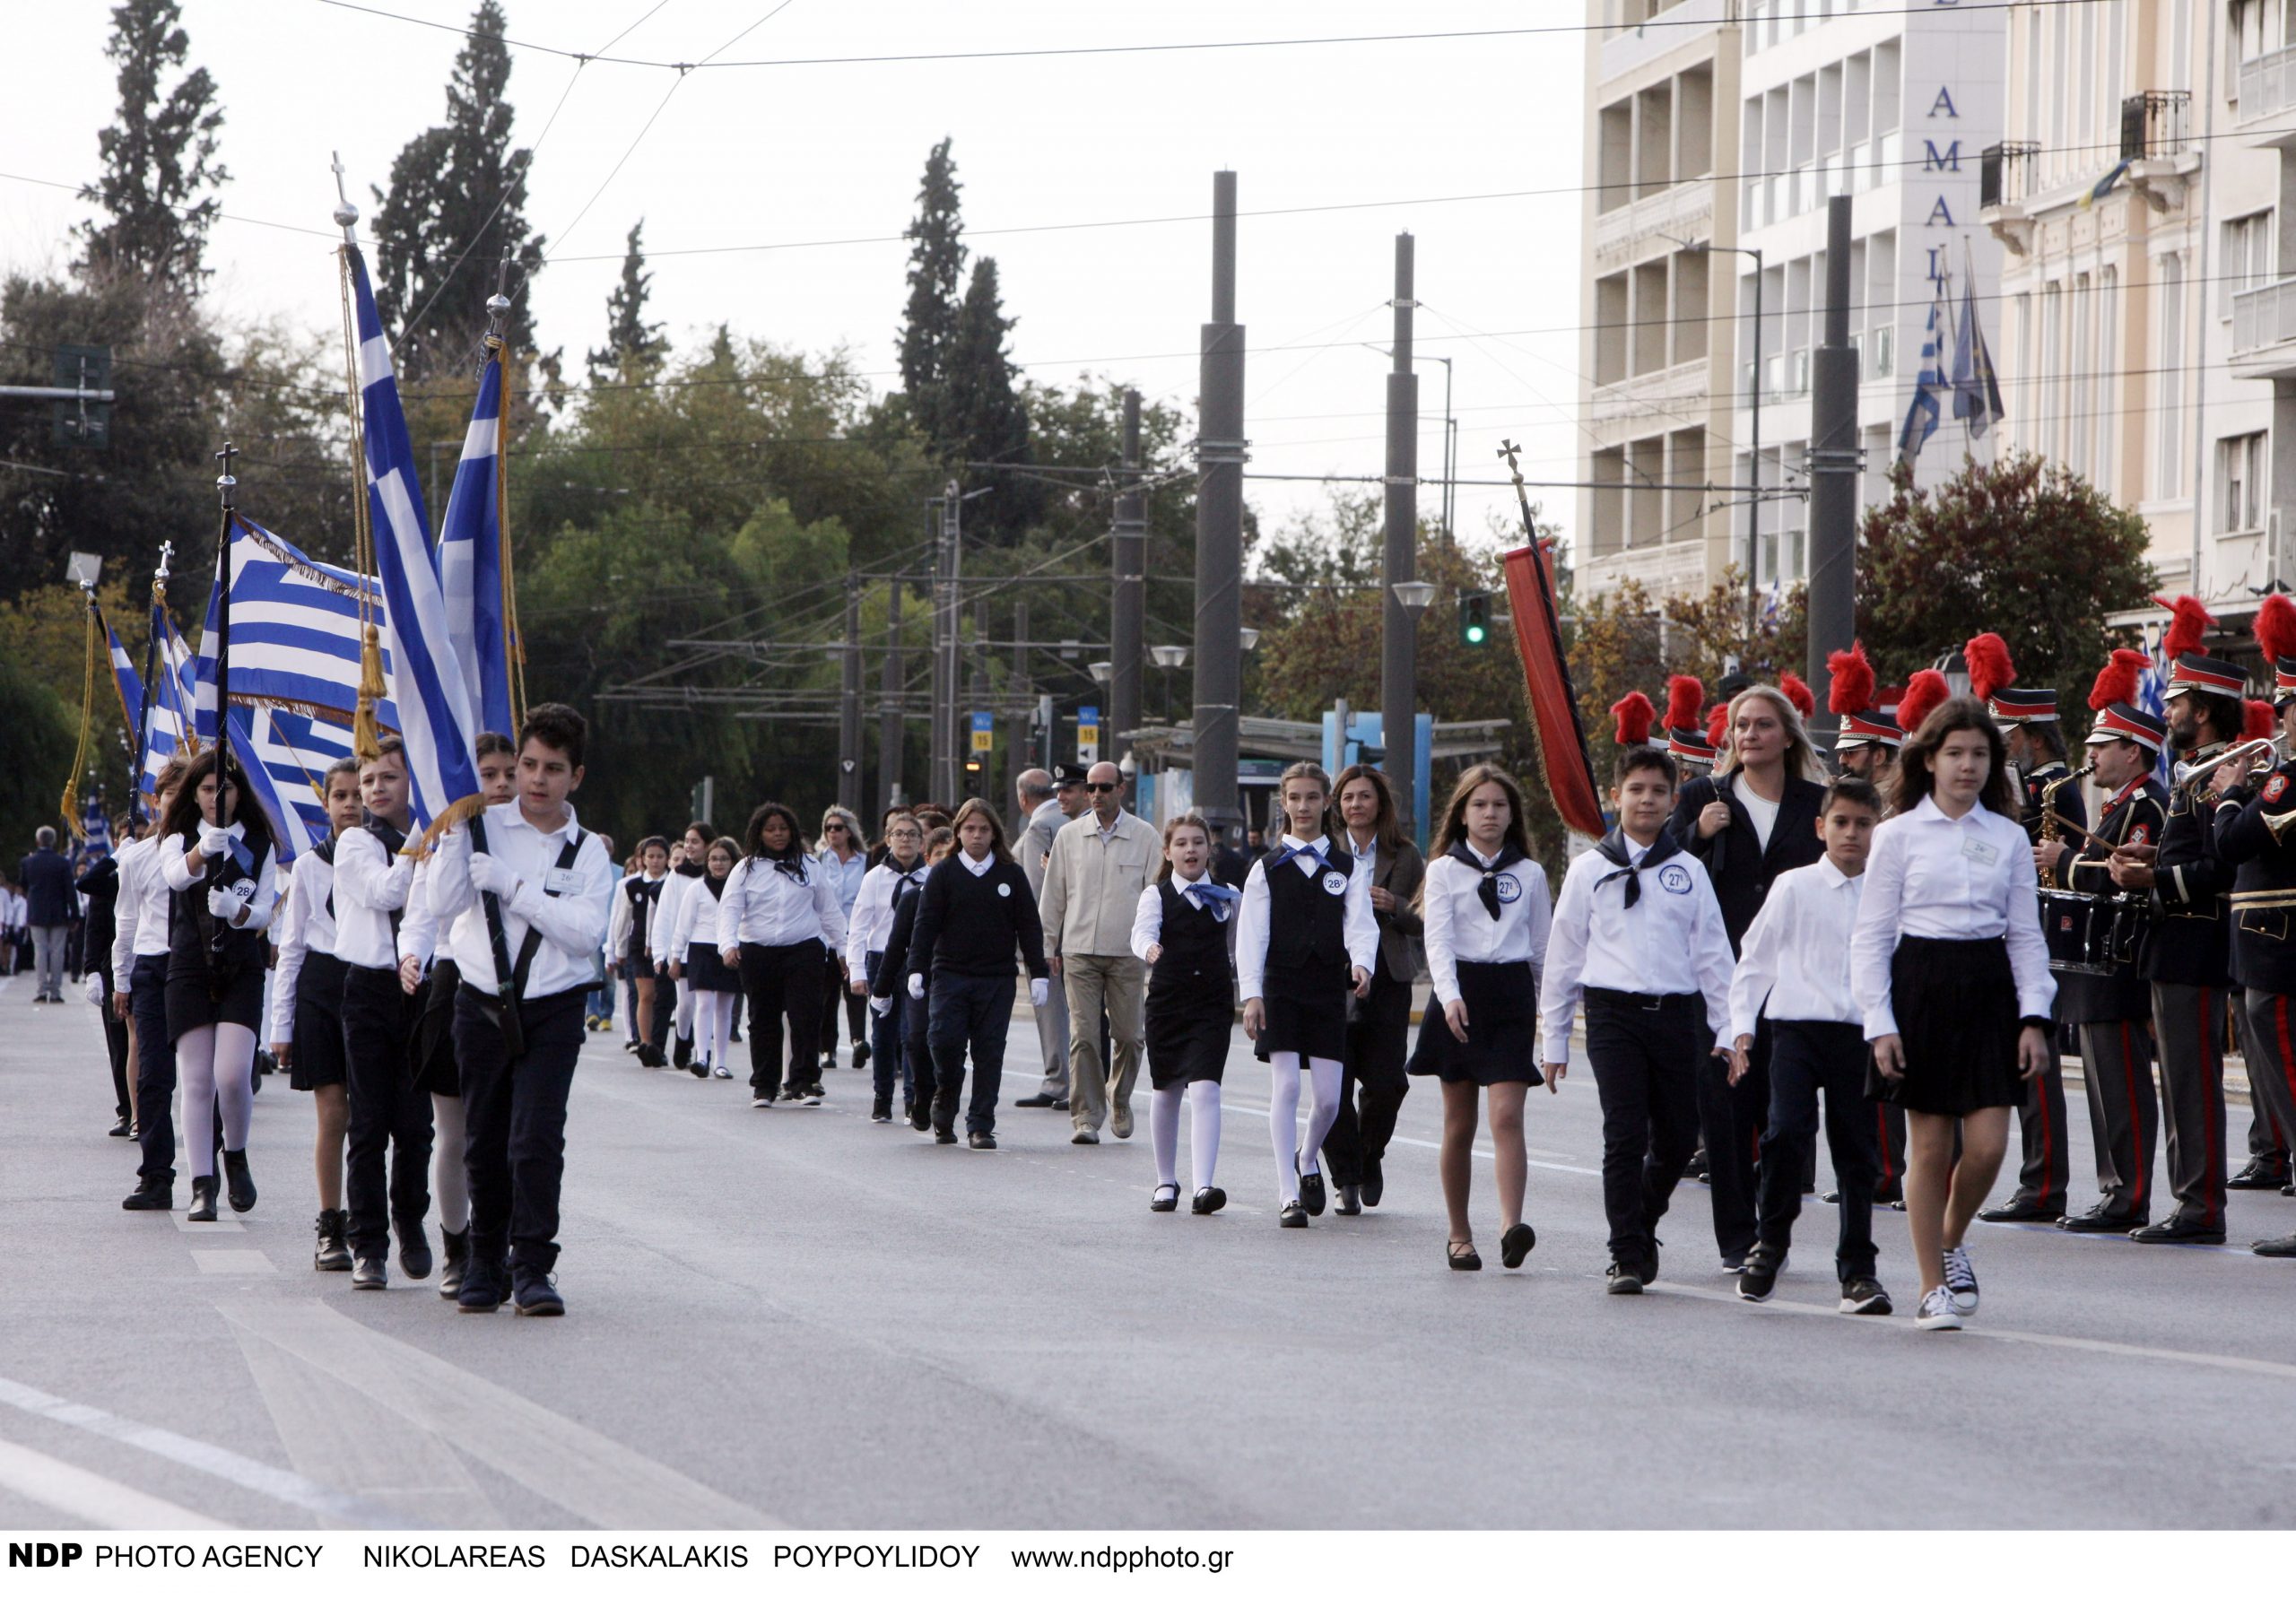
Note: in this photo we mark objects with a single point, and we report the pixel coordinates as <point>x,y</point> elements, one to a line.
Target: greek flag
<point>130,684</point>
<point>470,558</point>
<point>1929,385</point>
<point>286,756</point>
<point>295,632</point>
<point>1977,393</point>
<point>174,700</point>
<point>2150,684</point>
<point>434,706</point>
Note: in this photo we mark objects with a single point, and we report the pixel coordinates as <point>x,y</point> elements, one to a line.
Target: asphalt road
<point>792,1316</point>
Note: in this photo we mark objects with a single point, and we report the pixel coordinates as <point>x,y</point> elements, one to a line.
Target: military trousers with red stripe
<point>2271,1043</point>
<point>2123,1114</point>
<point>2188,1026</point>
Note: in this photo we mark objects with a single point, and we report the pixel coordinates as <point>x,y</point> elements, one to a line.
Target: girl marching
<point>866,935</point>
<point>636,904</point>
<point>699,970</point>
<point>1180,930</point>
<point>776,915</point>
<point>844,861</point>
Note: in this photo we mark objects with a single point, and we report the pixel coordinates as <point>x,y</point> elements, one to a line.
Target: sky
<point>1443,137</point>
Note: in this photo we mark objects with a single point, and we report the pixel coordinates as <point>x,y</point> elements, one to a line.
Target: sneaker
<point>882,1110</point>
<point>1937,1310</point>
<point>1960,1278</point>
<point>1758,1279</point>
<point>761,1102</point>
<point>1084,1135</point>
<point>791,1092</point>
<point>1864,1297</point>
<point>812,1095</point>
<point>1624,1279</point>
<point>1120,1119</point>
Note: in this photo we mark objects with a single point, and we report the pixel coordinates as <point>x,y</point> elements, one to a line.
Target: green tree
<point>936,262</point>
<point>38,736</point>
<point>457,203</point>
<point>984,419</point>
<point>159,155</point>
<point>633,346</point>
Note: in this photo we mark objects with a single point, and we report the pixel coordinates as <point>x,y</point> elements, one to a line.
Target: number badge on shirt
<point>1510,888</point>
<point>1004,890</point>
<point>1335,883</point>
<point>1673,879</point>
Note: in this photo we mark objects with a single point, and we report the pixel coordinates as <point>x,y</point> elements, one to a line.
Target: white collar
<point>1831,874</point>
<point>1184,882</point>
<point>1369,850</point>
<point>1321,845</point>
<point>1927,810</point>
<point>979,867</point>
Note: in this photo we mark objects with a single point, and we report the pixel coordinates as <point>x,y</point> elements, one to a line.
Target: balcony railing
<point>2157,122</point>
<point>2268,84</point>
<point>2005,172</point>
<point>2264,316</point>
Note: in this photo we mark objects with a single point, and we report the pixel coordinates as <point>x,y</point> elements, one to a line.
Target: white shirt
<point>618,925</point>
<point>845,877</point>
<point>1794,960</point>
<point>304,926</point>
<point>696,921</point>
<point>140,915</point>
<point>1762,811</point>
<point>370,885</point>
<point>1672,942</point>
<point>1460,928</point>
<point>872,925</point>
<point>1148,914</point>
<point>661,933</point>
<point>1933,876</point>
<point>763,904</point>
<point>1360,927</point>
<point>175,868</point>
<point>572,924</point>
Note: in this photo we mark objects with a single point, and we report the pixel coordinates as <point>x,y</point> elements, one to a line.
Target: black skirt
<point>430,1047</point>
<point>1955,1001</point>
<point>318,1025</point>
<point>1305,1014</point>
<point>1187,1035</point>
<point>1502,1044</point>
<point>705,972</point>
<point>233,996</point>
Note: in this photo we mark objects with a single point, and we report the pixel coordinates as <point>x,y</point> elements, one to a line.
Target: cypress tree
<point>936,261</point>
<point>632,344</point>
<point>985,421</point>
<point>158,155</point>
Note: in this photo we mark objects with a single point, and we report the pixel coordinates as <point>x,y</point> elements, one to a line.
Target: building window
<point>2239,484</point>
<point>2247,258</point>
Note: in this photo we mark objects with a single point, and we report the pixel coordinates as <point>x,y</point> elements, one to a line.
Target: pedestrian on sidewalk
<point>1102,862</point>
<point>50,902</point>
<point>702,975</point>
<point>1373,1081</point>
<point>1305,943</point>
<point>867,933</point>
<point>778,915</point>
<point>1179,932</point>
<point>1485,903</point>
<point>1952,976</point>
<point>139,962</point>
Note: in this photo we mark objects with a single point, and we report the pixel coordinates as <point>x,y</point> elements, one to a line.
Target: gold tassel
<point>366,740</point>
<point>448,818</point>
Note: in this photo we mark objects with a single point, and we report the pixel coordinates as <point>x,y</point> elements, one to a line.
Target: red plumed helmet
<point>1798,693</point>
<point>1684,698</point>
<point>2116,681</point>
<point>2275,628</point>
<point>2257,717</point>
<point>1852,677</point>
<point>1923,693</point>
<point>2188,623</point>
<point>1989,667</point>
<point>1717,724</point>
<point>1635,714</point>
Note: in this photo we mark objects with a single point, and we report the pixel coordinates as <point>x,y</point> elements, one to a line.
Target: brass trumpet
<point>2188,778</point>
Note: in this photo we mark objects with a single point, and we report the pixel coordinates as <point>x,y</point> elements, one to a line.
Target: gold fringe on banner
<point>71,801</point>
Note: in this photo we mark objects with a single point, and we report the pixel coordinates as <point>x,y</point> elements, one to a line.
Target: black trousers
<point>967,1012</point>
<point>116,1046</point>
<point>2048,1167</point>
<point>665,1008</point>
<point>1372,1079</point>
<point>514,1115</point>
<point>155,1070</point>
<point>387,1149</point>
<point>783,983</point>
<point>857,1009</point>
<point>1731,1120</point>
<point>1807,1059</point>
<point>888,1036</point>
<point>1646,1073</point>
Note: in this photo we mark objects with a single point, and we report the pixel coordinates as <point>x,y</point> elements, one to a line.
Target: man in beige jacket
<point>1100,862</point>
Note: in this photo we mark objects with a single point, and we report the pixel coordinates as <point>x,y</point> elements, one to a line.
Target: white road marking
<point>90,1497</point>
<point>234,1264</point>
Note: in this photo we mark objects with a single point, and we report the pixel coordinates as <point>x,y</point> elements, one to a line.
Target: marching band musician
<point>2113,1011</point>
<point>2268,1145</point>
<point>1693,755</point>
<point>2264,925</point>
<point>1868,740</point>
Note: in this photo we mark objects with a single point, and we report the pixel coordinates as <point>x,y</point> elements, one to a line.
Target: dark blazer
<point>1399,932</point>
<point>100,883</point>
<point>1736,863</point>
<point>46,877</point>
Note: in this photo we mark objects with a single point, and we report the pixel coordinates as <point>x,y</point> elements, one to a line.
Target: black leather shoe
<point>2278,1249</point>
<point>535,1294</point>
<point>329,1252</point>
<point>2175,1230</point>
<point>1167,1197</point>
<point>682,1053</point>
<point>458,1267</point>
<point>1516,1244</point>
<point>2015,1209</point>
<point>413,1251</point>
<point>1292,1215</point>
<point>860,1056</point>
<point>1035,1103</point>
<point>2098,1219</point>
<point>1375,1181</point>
<point>1311,1190</point>
<point>119,1129</point>
<point>1350,1201</point>
<point>151,1196</point>
<point>202,1201</point>
<point>981,1140</point>
<point>239,1181</point>
<point>920,1116</point>
<point>1207,1201</point>
<point>2259,1175</point>
<point>945,1135</point>
<point>1622,1280</point>
<point>368,1271</point>
<point>1460,1257</point>
<point>482,1290</point>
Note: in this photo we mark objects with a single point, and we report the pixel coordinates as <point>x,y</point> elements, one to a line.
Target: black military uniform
<point>2115,1011</point>
<point>2264,941</point>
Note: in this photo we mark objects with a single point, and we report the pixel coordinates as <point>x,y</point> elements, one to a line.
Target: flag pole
<point>366,740</point>
<point>151,684</point>
<point>219,869</point>
<point>514,648</point>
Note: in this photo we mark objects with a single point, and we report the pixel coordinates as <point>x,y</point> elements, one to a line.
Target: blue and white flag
<point>2150,685</point>
<point>286,756</point>
<point>1928,386</point>
<point>130,684</point>
<point>296,632</point>
<point>435,710</point>
<point>1976,391</point>
<point>172,721</point>
<point>470,558</point>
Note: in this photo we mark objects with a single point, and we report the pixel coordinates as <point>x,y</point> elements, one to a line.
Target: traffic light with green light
<point>1474,619</point>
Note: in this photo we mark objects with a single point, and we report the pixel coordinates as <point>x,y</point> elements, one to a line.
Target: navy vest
<point>1307,925</point>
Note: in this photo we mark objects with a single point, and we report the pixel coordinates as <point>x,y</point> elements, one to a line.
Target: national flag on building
<point>471,572</point>
<point>1929,385</point>
<point>1976,391</point>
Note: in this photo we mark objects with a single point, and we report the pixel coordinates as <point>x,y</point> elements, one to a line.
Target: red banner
<point>1562,742</point>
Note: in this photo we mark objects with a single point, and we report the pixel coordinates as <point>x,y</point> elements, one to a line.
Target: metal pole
<point>1219,529</point>
<point>950,783</point>
<point>1833,475</point>
<point>984,780</point>
<point>1016,688</point>
<point>1128,629</point>
<point>890,734</point>
<point>1754,502</point>
<point>848,710</point>
<point>1399,632</point>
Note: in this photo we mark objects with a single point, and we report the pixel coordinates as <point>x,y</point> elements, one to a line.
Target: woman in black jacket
<point>99,884</point>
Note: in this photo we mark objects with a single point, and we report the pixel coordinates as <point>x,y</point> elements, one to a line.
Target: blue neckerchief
<point>1292,851</point>
<point>1222,898</point>
<point>1614,850</point>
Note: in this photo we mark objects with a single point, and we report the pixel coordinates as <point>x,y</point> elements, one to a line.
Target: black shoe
<point>2258,1173</point>
<point>1061,1103</point>
<point>1695,1167</point>
<point>1084,1135</point>
<point>945,1135</point>
<point>1758,1279</point>
<point>413,1251</point>
<point>1292,1215</point>
<point>883,1109</point>
<point>457,1266</point>
<point>1375,1182</point>
<point>1650,1263</point>
<point>1167,1197</point>
<point>1350,1201</point>
<point>701,1068</point>
<point>239,1181</point>
<point>815,1093</point>
<point>682,1053</point>
<point>1624,1279</point>
<point>119,1129</point>
<point>920,1116</point>
<point>482,1290</point>
<point>981,1140</point>
<point>2175,1230</point>
<point>1460,1256</point>
<point>829,1061</point>
<point>1034,1102</point>
<point>151,1196</point>
<point>202,1201</point>
<point>860,1056</point>
<point>790,1093</point>
<point>535,1294</point>
<point>368,1271</point>
<point>2098,1219</point>
<point>733,1035</point>
<point>1514,1243</point>
<point>1311,1190</point>
<point>329,1252</point>
<point>1864,1297</point>
<point>1892,1196</point>
<point>2278,1249</point>
<point>1207,1201</point>
<point>2016,1208</point>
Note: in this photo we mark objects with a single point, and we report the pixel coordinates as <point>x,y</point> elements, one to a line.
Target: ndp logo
<point>43,1554</point>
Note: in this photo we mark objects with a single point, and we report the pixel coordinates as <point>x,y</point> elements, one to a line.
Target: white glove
<point>881,1006</point>
<point>95,988</point>
<point>224,904</point>
<point>490,876</point>
<point>1039,990</point>
<point>214,841</point>
<point>916,985</point>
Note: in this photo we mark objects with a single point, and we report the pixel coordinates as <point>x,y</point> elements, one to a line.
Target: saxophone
<point>2049,831</point>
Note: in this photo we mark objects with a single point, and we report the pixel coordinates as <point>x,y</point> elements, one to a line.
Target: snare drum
<point>2078,928</point>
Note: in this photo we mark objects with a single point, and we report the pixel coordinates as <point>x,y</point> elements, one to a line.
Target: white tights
<point>713,1023</point>
<point>1283,1116</point>
<point>685,1010</point>
<point>449,1178</point>
<point>1203,1099</point>
<point>215,1064</point>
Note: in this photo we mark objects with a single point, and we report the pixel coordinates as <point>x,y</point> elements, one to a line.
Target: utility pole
<point>946,567</point>
<point>985,778</point>
<point>1128,614</point>
<point>890,734</point>
<point>848,707</point>
<point>1399,623</point>
<point>1016,687</point>
<point>1219,531</point>
<point>1833,477</point>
